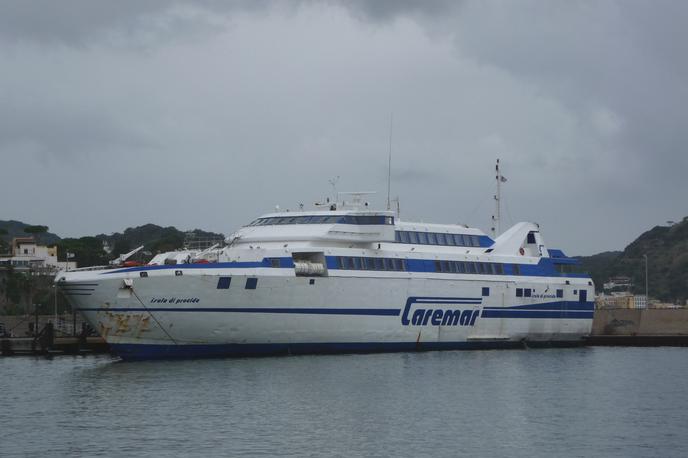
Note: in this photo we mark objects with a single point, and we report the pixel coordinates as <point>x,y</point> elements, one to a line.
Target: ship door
<point>583,295</point>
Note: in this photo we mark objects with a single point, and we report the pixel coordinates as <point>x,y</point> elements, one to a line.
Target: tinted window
<point>519,292</point>
<point>526,292</point>
<point>531,237</point>
<point>413,237</point>
<point>432,238</point>
<point>560,293</point>
<point>223,282</point>
<point>486,291</point>
<point>450,239</point>
<point>356,263</point>
<point>423,238</point>
<point>441,239</point>
<point>405,237</point>
<point>251,283</point>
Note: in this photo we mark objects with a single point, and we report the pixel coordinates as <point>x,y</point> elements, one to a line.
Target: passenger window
<point>405,237</point>
<point>531,237</point>
<point>413,236</point>
<point>441,240</point>
<point>251,283</point>
<point>560,293</point>
<point>397,236</point>
<point>526,292</point>
<point>519,292</point>
<point>378,264</point>
<point>423,238</point>
<point>432,239</point>
<point>486,291</point>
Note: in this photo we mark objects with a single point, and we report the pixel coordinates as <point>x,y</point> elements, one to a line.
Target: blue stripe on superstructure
<point>544,268</point>
<point>485,241</point>
<point>215,265</point>
<point>295,310</point>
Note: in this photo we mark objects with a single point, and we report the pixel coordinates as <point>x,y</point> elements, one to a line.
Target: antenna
<point>496,229</point>
<point>389,161</point>
<point>333,182</point>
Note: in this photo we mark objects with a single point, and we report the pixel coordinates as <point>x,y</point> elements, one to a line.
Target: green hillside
<point>666,248</point>
<point>11,229</point>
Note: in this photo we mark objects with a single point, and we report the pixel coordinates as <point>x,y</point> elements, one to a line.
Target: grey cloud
<point>235,107</point>
<point>129,22</point>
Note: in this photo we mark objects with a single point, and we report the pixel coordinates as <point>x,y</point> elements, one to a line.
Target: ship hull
<point>195,313</point>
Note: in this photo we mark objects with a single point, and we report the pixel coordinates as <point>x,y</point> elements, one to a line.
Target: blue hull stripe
<point>559,305</point>
<point>562,309</point>
<point>137,352</point>
<point>536,314</point>
<point>303,311</point>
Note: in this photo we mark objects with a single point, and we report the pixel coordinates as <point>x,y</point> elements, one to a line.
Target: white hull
<point>166,315</point>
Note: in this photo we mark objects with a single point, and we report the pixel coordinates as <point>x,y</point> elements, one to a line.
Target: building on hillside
<point>617,285</point>
<point>28,255</point>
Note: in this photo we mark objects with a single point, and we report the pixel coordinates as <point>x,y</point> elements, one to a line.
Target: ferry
<point>340,278</point>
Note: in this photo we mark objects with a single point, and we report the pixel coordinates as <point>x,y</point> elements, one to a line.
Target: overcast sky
<point>208,114</point>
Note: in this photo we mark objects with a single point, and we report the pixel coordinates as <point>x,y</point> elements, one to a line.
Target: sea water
<point>592,401</point>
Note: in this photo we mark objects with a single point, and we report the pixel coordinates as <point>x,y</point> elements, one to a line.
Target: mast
<point>389,162</point>
<point>496,229</point>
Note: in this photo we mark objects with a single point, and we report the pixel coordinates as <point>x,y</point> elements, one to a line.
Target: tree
<point>88,251</point>
<point>36,229</point>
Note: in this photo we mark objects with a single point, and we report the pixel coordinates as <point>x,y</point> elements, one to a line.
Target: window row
<point>527,292</point>
<point>437,238</point>
<point>224,282</point>
<point>461,267</point>
<point>361,263</point>
<point>324,219</point>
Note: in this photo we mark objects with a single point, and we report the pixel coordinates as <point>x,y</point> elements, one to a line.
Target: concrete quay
<point>640,327</point>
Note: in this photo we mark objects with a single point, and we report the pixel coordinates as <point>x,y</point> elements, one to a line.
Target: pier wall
<point>640,322</point>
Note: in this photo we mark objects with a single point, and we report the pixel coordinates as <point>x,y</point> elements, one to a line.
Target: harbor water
<point>554,402</point>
